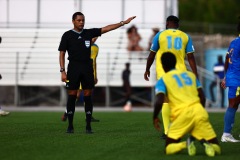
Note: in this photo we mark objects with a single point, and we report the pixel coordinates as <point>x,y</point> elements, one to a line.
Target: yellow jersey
<point>180,87</point>
<point>175,41</point>
<point>94,54</point>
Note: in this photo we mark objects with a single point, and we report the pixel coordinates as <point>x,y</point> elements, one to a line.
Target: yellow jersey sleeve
<point>94,54</point>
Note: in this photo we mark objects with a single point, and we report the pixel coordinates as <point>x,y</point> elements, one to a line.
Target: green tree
<point>209,16</point>
<point>212,11</point>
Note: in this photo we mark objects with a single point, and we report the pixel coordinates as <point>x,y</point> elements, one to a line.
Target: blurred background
<point>31,31</point>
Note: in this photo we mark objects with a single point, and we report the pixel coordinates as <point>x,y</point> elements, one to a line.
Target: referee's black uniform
<point>78,46</point>
<point>80,68</point>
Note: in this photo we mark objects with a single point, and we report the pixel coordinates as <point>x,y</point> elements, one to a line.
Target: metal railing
<point>206,77</point>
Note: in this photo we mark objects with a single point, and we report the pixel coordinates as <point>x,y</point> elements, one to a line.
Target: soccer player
<point>232,81</point>
<point>219,72</point>
<point>180,44</point>
<point>77,42</point>
<point>94,54</point>
<point>2,112</point>
<point>127,87</point>
<point>188,115</point>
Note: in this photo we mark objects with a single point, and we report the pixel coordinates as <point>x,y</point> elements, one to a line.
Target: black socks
<point>88,110</point>
<point>71,109</point>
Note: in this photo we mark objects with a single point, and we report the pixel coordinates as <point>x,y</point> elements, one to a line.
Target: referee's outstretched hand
<point>116,25</point>
<point>129,20</point>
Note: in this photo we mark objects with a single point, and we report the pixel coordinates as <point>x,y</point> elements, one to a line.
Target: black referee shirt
<point>78,44</point>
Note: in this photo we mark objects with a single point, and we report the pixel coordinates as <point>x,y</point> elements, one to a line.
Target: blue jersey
<point>219,70</point>
<point>233,71</point>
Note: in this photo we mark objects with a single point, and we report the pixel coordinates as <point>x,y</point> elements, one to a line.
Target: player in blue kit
<point>219,72</point>
<point>232,81</point>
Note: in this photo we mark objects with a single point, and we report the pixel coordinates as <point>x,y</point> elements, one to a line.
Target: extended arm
<point>117,25</point>
<point>223,83</point>
<point>157,108</point>
<point>226,63</point>
<point>95,69</point>
<point>201,96</point>
<point>150,60</point>
<point>62,65</point>
<point>192,63</point>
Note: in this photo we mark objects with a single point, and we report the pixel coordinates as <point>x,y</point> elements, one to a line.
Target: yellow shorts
<point>193,120</point>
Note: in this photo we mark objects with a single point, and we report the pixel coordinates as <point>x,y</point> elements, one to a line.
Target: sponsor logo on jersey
<point>87,44</point>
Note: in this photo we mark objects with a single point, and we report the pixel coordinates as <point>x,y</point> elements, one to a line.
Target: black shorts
<point>80,72</point>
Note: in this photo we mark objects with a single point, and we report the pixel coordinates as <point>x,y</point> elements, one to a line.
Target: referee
<point>77,42</point>
<point>2,112</point>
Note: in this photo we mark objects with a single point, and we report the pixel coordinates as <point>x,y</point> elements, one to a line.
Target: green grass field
<point>118,136</point>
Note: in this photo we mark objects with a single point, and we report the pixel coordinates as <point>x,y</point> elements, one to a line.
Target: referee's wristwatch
<point>62,69</point>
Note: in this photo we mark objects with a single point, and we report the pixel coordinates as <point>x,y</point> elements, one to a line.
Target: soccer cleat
<point>4,113</point>
<point>94,120</point>
<point>216,148</point>
<point>89,130</point>
<point>64,117</point>
<point>209,150</point>
<point>128,107</point>
<point>191,147</point>
<point>229,138</point>
<point>70,130</point>
<point>163,136</point>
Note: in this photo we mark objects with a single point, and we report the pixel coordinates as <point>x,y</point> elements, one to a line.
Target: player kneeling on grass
<point>188,115</point>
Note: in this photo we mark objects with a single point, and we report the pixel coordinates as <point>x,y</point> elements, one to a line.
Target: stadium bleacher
<point>30,57</point>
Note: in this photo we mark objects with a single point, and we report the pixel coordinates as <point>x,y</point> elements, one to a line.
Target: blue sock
<point>229,119</point>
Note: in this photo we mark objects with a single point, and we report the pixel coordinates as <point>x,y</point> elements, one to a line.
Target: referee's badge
<point>87,44</point>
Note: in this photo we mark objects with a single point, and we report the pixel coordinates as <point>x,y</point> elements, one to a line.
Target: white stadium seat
<point>38,57</point>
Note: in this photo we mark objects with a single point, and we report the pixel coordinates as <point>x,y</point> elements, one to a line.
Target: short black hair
<point>173,18</point>
<point>220,58</point>
<point>168,60</point>
<point>77,14</point>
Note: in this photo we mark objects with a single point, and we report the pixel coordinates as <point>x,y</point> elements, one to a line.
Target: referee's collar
<point>172,28</point>
<point>77,31</point>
